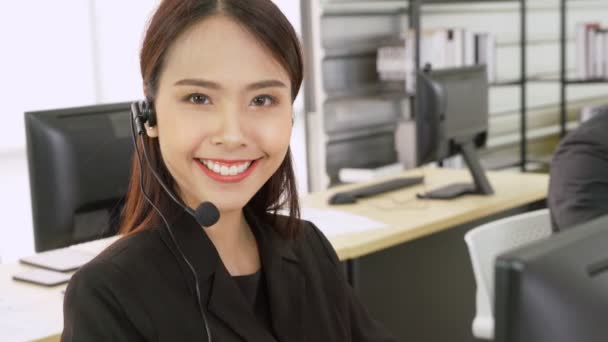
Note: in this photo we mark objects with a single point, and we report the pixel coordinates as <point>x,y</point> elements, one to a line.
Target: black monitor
<point>451,119</point>
<point>555,290</point>
<point>79,162</point>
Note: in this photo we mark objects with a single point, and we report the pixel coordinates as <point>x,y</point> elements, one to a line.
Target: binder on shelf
<point>591,41</point>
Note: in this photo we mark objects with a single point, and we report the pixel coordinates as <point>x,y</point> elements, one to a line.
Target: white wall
<point>67,53</point>
<point>46,63</point>
<point>118,29</point>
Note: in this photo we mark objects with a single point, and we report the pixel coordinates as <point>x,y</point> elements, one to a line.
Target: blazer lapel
<point>286,284</point>
<point>227,303</point>
<point>219,292</point>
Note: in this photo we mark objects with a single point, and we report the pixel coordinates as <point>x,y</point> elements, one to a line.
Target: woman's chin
<point>225,205</point>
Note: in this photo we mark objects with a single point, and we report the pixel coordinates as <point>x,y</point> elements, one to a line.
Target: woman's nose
<point>229,132</point>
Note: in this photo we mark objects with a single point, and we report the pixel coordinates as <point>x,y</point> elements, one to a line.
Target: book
<point>589,51</point>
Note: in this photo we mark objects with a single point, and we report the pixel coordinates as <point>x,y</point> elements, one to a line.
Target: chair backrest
<point>488,241</point>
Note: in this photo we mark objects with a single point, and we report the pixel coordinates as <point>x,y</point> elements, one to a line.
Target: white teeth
<point>225,170</point>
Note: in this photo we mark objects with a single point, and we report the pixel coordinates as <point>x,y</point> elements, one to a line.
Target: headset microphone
<point>206,214</point>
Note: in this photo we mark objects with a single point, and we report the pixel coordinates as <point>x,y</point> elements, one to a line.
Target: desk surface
<point>406,217</point>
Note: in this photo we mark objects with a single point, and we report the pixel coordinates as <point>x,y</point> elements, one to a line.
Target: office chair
<point>488,241</point>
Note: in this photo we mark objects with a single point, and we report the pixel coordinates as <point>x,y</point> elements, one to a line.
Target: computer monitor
<point>555,290</point>
<point>451,119</point>
<point>79,162</point>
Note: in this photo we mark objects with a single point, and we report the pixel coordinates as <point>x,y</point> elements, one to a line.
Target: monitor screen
<point>452,108</point>
<point>466,96</point>
<point>79,162</point>
<point>452,118</point>
<point>555,290</point>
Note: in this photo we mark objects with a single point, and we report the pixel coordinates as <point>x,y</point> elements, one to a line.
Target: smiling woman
<point>212,107</point>
<point>220,78</point>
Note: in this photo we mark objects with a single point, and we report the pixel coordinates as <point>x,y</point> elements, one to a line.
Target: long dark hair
<point>268,24</point>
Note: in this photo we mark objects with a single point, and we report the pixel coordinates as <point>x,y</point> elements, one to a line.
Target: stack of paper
<point>335,222</point>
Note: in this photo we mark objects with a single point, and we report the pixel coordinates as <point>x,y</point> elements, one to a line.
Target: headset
<point>206,214</point>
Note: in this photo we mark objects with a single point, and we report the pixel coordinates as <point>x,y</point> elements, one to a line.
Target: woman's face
<point>224,114</point>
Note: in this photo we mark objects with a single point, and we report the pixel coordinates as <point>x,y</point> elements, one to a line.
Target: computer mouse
<point>342,198</point>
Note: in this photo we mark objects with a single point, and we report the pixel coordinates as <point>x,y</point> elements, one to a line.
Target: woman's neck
<point>235,243</point>
<point>229,230</point>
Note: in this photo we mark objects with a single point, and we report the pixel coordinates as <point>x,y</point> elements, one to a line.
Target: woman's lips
<point>228,178</point>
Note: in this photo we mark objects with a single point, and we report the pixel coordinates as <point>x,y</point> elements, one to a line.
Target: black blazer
<point>578,188</point>
<point>136,290</point>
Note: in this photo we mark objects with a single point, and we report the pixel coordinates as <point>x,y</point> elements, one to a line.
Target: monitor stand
<point>481,185</point>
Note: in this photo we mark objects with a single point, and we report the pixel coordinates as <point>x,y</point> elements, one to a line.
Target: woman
<point>220,77</point>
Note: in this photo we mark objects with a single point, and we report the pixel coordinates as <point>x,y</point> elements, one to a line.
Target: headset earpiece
<point>142,112</point>
<point>148,112</point>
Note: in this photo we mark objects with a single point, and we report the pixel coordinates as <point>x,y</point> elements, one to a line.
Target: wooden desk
<point>38,307</point>
<point>407,219</point>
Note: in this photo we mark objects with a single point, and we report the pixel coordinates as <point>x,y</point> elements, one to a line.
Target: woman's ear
<point>151,132</point>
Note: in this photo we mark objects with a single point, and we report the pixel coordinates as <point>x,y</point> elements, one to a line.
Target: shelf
<point>396,89</point>
<point>532,133</point>
<point>360,8</point>
<point>549,78</point>
<point>340,51</point>
<point>387,7</point>
<point>508,83</point>
<point>351,48</point>
<point>385,96</point>
<point>448,2</point>
<point>379,91</point>
<point>586,81</point>
<point>505,83</point>
<point>365,94</point>
<point>515,82</point>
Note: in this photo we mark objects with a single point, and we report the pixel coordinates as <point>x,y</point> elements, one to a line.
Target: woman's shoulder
<point>108,290</point>
<point>310,239</point>
<point>125,253</point>
<point>138,244</point>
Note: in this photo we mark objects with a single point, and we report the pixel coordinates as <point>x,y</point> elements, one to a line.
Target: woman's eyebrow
<point>266,84</point>
<point>199,82</point>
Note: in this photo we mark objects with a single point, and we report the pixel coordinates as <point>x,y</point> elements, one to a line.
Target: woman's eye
<point>263,100</point>
<point>198,98</point>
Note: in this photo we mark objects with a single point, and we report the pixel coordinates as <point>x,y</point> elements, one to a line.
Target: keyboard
<point>96,246</point>
<point>69,258</point>
<point>351,196</point>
